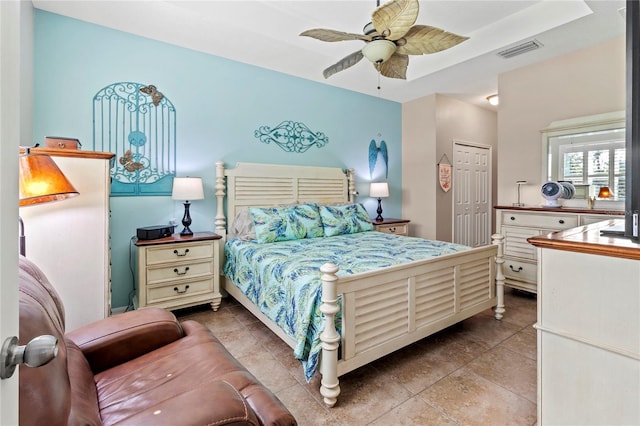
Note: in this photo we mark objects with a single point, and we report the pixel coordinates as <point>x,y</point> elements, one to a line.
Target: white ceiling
<point>265,33</point>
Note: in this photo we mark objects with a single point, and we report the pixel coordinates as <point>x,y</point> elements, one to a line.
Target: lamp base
<point>379,218</point>
<point>186,220</point>
<point>186,232</point>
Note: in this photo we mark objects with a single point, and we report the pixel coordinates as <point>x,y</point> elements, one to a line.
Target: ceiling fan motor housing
<point>378,51</point>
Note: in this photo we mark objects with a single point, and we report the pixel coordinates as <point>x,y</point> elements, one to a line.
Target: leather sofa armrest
<point>120,338</point>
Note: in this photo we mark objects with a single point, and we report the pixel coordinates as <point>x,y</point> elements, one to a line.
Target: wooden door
<point>471,194</point>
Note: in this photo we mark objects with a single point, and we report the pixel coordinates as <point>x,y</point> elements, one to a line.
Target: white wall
<point>429,127</point>
<point>418,166</point>
<point>587,82</point>
<point>457,120</point>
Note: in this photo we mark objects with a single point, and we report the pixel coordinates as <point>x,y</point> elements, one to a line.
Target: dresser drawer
<point>179,290</point>
<point>515,242</point>
<point>182,252</point>
<point>398,229</point>
<point>179,271</point>
<point>547,221</point>
<point>522,271</point>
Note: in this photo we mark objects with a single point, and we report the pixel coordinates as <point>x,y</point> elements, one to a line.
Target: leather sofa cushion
<point>220,393</point>
<point>155,381</point>
<point>84,398</point>
<point>41,313</point>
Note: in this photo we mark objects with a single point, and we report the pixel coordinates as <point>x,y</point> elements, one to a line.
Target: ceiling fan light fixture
<point>378,51</point>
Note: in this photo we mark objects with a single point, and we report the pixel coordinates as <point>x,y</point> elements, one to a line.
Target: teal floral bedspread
<point>283,278</point>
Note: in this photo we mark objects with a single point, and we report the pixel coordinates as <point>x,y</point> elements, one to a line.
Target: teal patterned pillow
<point>309,215</point>
<point>345,219</point>
<point>286,223</point>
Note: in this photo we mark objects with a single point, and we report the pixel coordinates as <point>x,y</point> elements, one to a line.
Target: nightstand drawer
<point>522,271</point>
<point>547,221</point>
<point>179,271</point>
<point>179,290</point>
<point>398,229</point>
<point>181,252</point>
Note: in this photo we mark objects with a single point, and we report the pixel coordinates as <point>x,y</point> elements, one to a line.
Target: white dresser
<point>69,240</point>
<point>519,223</point>
<point>588,328</point>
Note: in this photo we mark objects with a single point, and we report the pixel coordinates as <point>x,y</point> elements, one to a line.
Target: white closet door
<point>471,194</point>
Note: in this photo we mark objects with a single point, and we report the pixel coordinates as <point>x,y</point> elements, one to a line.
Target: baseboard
<point>120,310</point>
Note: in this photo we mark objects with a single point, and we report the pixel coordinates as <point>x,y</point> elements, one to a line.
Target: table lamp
<point>519,183</point>
<point>379,190</point>
<point>187,188</point>
<point>40,180</point>
<point>605,192</point>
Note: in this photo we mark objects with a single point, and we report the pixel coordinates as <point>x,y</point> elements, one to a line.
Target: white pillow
<point>242,226</point>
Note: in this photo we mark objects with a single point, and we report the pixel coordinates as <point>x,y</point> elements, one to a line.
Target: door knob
<point>39,351</point>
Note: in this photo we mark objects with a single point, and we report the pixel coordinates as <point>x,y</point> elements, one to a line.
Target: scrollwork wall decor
<point>292,136</point>
<point>137,123</point>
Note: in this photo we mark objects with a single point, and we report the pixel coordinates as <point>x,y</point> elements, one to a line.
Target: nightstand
<point>392,226</point>
<point>179,271</point>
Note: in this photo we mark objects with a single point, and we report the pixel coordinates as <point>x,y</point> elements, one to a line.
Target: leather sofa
<point>140,368</point>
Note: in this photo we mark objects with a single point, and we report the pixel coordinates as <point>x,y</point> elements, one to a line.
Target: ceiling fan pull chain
<point>378,82</point>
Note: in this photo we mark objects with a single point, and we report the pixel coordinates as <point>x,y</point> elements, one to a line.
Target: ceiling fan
<point>390,38</point>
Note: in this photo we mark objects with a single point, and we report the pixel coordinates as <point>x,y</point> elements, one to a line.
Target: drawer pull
<point>561,221</point>
<point>515,270</point>
<point>392,229</point>
<point>512,218</point>
<point>183,291</point>
<point>181,255</point>
<point>181,273</point>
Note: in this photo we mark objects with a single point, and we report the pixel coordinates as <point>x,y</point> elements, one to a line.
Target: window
<point>588,152</point>
<point>596,159</point>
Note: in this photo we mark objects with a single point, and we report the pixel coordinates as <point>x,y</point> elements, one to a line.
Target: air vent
<point>520,49</point>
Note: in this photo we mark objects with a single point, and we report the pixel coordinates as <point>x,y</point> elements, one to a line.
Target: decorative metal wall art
<point>291,136</point>
<point>137,123</point>
<point>374,150</point>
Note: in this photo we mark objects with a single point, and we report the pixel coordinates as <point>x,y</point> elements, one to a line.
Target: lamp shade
<point>604,192</point>
<point>187,188</point>
<point>40,180</point>
<point>379,189</point>
<point>378,51</point>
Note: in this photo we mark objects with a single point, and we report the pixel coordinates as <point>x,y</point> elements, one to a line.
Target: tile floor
<point>478,372</point>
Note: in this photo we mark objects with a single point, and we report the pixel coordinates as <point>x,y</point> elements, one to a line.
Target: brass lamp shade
<point>41,181</point>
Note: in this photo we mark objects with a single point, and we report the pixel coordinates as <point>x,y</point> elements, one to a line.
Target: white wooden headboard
<point>260,185</point>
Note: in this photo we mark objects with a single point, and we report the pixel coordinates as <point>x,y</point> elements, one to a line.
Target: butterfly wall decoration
<point>152,91</point>
<point>129,163</point>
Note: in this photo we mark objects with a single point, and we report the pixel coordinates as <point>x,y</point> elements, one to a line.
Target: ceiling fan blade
<point>343,64</point>
<point>394,67</point>
<point>333,35</point>
<point>393,19</point>
<point>423,39</point>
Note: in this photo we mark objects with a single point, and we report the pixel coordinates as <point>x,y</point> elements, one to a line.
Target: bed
<point>364,312</point>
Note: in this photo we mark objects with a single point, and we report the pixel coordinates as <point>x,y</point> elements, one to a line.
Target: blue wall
<point>219,104</point>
